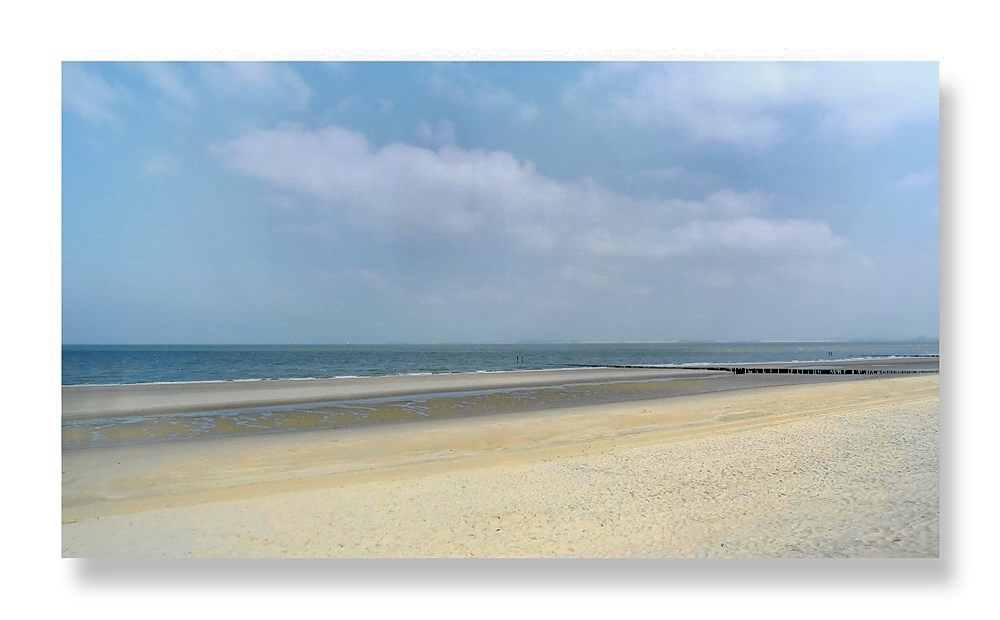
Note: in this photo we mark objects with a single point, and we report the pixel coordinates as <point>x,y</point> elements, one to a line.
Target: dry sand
<point>820,470</point>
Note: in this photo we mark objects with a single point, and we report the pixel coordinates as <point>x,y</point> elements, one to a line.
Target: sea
<point>128,364</point>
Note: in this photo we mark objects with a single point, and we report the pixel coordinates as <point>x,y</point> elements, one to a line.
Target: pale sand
<point>833,469</point>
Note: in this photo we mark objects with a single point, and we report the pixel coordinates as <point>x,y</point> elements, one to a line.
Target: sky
<point>410,202</point>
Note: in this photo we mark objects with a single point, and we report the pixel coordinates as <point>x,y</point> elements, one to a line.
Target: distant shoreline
<point>167,364</point>
<point>570,367</point>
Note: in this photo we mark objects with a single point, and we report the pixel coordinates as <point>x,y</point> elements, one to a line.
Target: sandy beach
<point>94,401</point>
<point>831,469</point>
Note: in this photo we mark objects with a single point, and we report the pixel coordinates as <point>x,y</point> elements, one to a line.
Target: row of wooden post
<point>744,370</point>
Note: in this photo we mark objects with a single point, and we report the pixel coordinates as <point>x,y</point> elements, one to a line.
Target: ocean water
<point>98,364</point>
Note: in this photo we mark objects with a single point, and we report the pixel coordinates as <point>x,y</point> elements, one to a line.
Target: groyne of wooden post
<point>751,370</point>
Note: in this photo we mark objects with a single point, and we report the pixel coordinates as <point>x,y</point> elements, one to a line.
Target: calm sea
<point>92,364</point>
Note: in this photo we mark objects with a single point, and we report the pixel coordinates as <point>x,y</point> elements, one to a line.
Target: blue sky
<point>499,202</point>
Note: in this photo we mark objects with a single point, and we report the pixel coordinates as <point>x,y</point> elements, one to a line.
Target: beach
<point>813,469</point>
<point>95,401</point>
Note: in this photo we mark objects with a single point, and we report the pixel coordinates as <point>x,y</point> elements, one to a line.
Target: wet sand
<point>97,401</point>
<point>827,469</point>
<point>496,394</point>
<point>102,401</point>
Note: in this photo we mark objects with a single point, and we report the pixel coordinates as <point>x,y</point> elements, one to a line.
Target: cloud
<point>466,89</point>
<point>440,134</point>
<point>265,83</point>
<point>867,101</point>
<point>916,180</point>
<point>677,175</point>
<point>91,96</point>
<point>160,165</point>
<point>757,105</point>
<point>746,236</point>
<point>182,88</point>
<point>170,81</point>
<point>468,197</point>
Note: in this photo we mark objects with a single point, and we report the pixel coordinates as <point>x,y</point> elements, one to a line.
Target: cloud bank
<point>753,104</point>
<point>452,194</point>
<point>491,236</point>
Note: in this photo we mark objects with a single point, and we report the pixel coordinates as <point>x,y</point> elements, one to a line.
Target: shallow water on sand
<point>205,425</point>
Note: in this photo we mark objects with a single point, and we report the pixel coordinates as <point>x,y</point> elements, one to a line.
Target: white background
<point>38,37</point>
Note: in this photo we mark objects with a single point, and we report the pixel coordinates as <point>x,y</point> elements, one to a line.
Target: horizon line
<point>922,340</point>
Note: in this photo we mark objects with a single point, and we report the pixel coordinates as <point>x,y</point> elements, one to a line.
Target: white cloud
<point>677,175</point>
<point>443,132</point>
<point>265,83</point>
<point>742,236</point>
<point>160,165</point>
<point>750,104</point>
<point>90,96</point>
<point>467,89</point>
<point>453,195</point>
<point>170,81</point>
<point>866,101</point>
<point>916,180</point>
<point>722,102</point>
<point>183,87</point>
<point>503,98</point>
